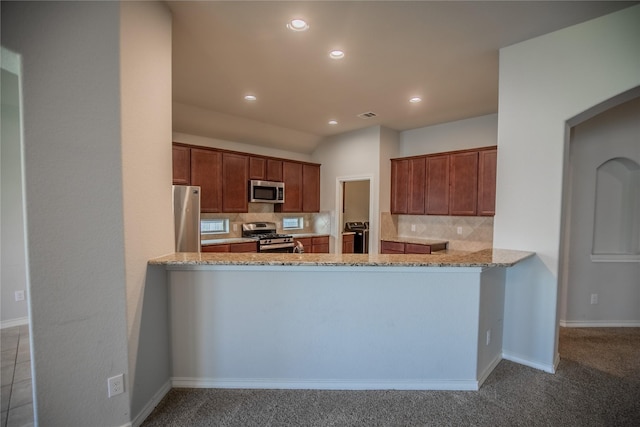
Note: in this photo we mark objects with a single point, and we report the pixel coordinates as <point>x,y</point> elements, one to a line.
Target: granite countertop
<point>226,241</point>
<point>483,258</point>
<point>303,235</point>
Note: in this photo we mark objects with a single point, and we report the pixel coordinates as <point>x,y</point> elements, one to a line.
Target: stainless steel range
<point>268,239</point>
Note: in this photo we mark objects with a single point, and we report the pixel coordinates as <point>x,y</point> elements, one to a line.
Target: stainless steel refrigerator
<point>186,214</point>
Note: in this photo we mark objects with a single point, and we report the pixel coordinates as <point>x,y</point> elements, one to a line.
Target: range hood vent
<point>367,115</point>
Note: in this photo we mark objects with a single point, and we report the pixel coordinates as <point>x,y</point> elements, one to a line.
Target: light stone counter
<point>210,242</point>
<point>483,258</point>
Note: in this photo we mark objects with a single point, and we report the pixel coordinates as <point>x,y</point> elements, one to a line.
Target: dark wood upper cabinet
<point>437,186</point>
<point>463,185</point>
<point>399,185</point>
<point>257,168</point>
<point>224,175</point>
<point>235,177</point>
<point>206,171</point>
<point>274,170</point>
<point>487,163</point>
<point>416,191</point>
<point>292,178</point>
<point>310,188</point>
<point>181,157</point>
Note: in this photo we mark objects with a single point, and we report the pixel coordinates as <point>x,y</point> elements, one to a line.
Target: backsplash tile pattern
<point>476,231</point>
<point>319,223</point>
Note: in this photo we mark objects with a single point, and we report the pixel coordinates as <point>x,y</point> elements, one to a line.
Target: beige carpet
<point>597,384</point>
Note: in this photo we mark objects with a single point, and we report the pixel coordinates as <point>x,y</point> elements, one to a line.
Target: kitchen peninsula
<point>332,321</point>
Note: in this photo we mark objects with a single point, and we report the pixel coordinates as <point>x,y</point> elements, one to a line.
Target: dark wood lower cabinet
<point>315,245</point>
<point>389,247</point>
<point>348,243</point>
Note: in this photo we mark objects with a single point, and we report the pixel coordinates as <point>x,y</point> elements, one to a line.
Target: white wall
<point>354,155</point>
<point>14,264</point>
<point>614,133</point>
<point>73,172</point>
<point>97,161</point>
<point>459,135</point>
<point>146,174</point>
<point>544,82</point>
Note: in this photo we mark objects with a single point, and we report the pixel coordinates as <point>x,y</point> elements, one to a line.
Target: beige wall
<point>145,78</point>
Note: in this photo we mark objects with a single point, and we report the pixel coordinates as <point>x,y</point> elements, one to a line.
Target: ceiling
<point>445,52</point>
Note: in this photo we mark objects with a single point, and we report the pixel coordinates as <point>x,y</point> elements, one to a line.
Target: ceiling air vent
<point>367,115</point>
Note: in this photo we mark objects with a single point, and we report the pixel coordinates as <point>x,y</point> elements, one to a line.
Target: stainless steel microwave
<point>266,191</point>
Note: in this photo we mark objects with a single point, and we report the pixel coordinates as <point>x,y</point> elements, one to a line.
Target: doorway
<point>17,383</point>
<point>354,204</point>
<point>601,252</point>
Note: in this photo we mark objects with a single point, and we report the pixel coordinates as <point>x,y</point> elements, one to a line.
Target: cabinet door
<point>437,185</point>
<point>320,245</point>
<point>181,165</point>
<point>215,248</point>
<point>206,171</point>
<point>257,168</point>
<point>310,188</point>
<point>292,178</point>
<point>463,197</point>
<point>387,247</point>
<point>414,248</point>
<point>306,243</point>
<point>416,191</point>
<point>399,186</point>
<point>487,162</point>
<point>274,170</point>
<point>243,247</point>
<point>347,243</point>
<point>235,176</point>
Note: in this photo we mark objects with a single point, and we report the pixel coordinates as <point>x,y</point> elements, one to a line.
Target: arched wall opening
<point>600,260</point>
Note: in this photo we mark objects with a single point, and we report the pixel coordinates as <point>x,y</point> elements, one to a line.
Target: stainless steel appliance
<point>361,238</point>
<point>268,239</point>
<point>186,214</point>
<point>266,191</point>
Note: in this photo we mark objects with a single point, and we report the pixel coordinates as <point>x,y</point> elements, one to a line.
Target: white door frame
<point>373,211</point>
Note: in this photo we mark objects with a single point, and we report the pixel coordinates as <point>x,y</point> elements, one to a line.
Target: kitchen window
<point>293,223</point>
<point>214,226</point>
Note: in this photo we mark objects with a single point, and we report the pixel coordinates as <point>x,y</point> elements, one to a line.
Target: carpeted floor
<point>597,384</point>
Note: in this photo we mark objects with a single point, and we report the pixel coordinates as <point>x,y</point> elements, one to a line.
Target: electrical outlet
<point>116,385</point>
<point>413,227</point>
<point>459,230</point>
<point>488,336</point>
<point>235,227</point>
<point>594,298</point>
<point>19,295</point>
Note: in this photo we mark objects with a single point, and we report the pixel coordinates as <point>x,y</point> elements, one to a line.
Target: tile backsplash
<point>319,223</point>
<point>465,233</point>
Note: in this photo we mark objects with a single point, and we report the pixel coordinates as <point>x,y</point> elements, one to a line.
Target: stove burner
<point>268,239</point>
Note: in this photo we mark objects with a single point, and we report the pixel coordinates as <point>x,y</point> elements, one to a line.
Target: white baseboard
<point>149,407</point>
<point>600,323</point>
<point>14,322</point>
<point>276,383</point>
<point>485,374</point>
<point>526,362</point>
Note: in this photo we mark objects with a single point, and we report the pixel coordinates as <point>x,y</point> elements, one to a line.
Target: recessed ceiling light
<point>336,54</point>
<point>333,122</point>
<point>250,97</point>
<point>415,100</point>
<point>297,25</point>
